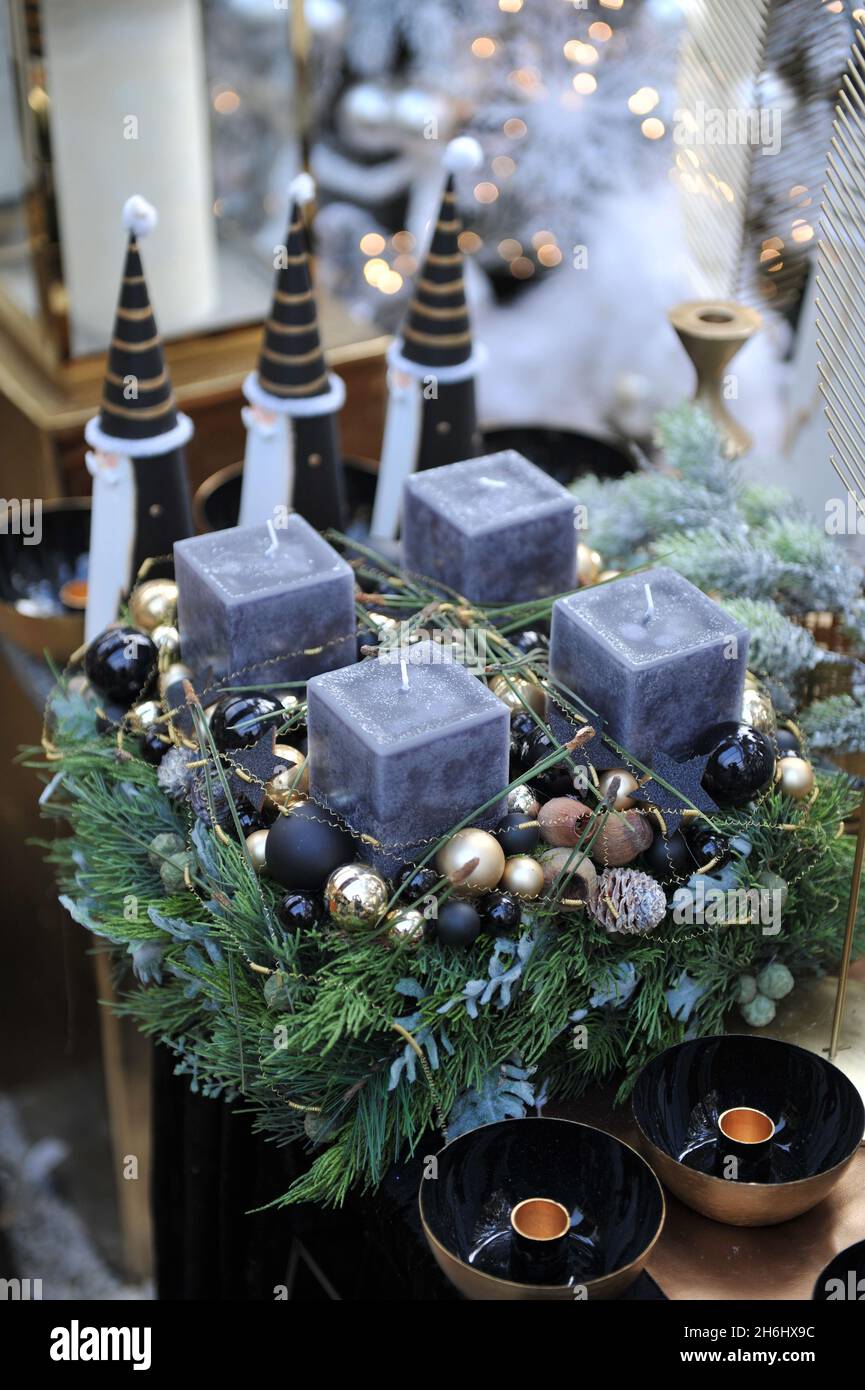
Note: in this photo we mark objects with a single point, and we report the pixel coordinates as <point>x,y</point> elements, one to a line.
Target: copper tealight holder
<point>746,1137</point>
<point>539,1227</point>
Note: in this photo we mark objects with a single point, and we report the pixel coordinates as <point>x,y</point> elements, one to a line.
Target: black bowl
<point>843,1278</point>
<point>564,453</point>
<point>817,1112</point>
<point>32,614</point>
<point>216,504</point>
<point>615,1201</point>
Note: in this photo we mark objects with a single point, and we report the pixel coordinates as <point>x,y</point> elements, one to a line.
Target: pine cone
<point>629,901</point>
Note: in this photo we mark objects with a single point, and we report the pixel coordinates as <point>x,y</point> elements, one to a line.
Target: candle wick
<point>403,666</point>
<point>650,605</point>
<point>274,542</point>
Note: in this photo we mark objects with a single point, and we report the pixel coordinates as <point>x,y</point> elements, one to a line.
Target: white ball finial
<point>463,153</point>
<point>302,189</point>
<point>139,216</point>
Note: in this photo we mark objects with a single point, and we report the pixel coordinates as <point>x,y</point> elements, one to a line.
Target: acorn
<point>581,885</point>
<point>563,820</point>
<point>625,834</point>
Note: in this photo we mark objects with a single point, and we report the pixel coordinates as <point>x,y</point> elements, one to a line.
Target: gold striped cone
<point>436,332</point>
<point>291,364</point>
<point>137,399</point>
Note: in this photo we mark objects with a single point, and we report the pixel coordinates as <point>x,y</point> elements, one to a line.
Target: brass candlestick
<point>846,952</point>
<point>712,331</point>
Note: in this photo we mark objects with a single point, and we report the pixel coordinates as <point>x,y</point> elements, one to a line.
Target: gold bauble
<point>355,896</point>
<point>589,564</point>
<point>289,785</point>
<point>166,639</point>
<point>518,691</point>
<point>153,603</point>
<point>255,843</point>
<point>406,926</point>
<point>288,702</point>
<point>757,708</point>
<point>796,778</point>
<point>524,801</point>
<point>465,846</point>
<point>523,876</point>
<point>628,784</point>
<point>608,574</point>
<point>143,715</point>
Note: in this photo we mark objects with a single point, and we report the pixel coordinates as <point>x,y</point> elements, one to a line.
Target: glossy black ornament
<point>120,664</point>
<point>305,846</point>
<point>706,845</point>
<point>517,833</point>
<point>741,763</point>
<point>522,727</point>
<point>109,716</point>
<point>153,746</point>
<point>239,721</point>
<point>530,640</point>
<point>788,744</point>
<point>457,924</point>
<point>556,780</point>
<point>669,857</point>
<point>300,912</point>
<point>501,913</point>
<point>418,882</point>
<point>249,819</point>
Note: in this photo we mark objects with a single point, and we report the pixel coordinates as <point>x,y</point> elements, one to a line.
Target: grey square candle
<point>402,754</point>
<point>497,529</point>
<point>256,605</point>
<point>658,668</point>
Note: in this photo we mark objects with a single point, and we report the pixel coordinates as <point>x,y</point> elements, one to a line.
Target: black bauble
<point>500,912</point>
<point>305,846</point>
<point>457,924</point>
<point>669,857</point>
<point>789,746</point>
<point>109,716</point>
<point>706,845</point>
<point>238,721</point>
<point>517,833</point>
<point>153,746</point>
<point>556,780</point>
<point>522,727</point>
<point>120,664</point>
<point>741,763</point>
<point>530,640</point>
<point>249,819</point>
<point>300,912</point>
<point>418,882</point>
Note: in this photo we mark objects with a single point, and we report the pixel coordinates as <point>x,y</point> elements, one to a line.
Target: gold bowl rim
<point>539,1289</point>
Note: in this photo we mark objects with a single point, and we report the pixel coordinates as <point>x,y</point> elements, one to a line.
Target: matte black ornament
<point>707,846</point>
<point>300,912</point>
<point>418,882</point>
<point>500,913</point>
<point>788,744</point>
<point>517,833</point>
<point>305,846</point>
<point>239,721</point>
<point>457,924</point>
<point>741,763</point>
<point>120,664</point>
<point>669,856</point>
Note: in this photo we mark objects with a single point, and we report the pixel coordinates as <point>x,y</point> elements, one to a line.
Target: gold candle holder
<point>712,331</point>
